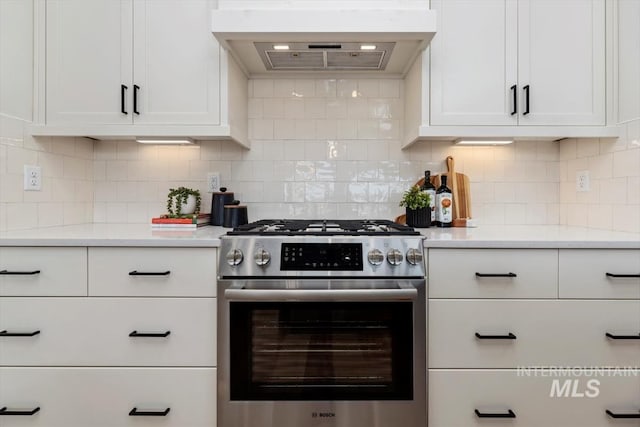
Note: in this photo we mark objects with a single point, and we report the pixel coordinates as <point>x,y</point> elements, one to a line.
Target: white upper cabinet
<point>561,62</point>
<point>627,18</point>
<point>474,62</point>
<point>524,62</point>
<point>89,61</point>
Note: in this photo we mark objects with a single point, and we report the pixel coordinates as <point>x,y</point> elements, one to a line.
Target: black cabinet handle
<point>19,273</point>
<point>622,337</point>
<point>149,273</point>
<point>514,92</point>
<point>123,98</point>
<point>136,88</point>
<point>614,415</point>
<point>5,333</point>
<point>526,100</point>
<point>508,336</point>
<point>135,413</point>
<point>149,335</point>
<point>508,414</point>
<point>624,276</point>
<point>496,274</point>
<point>5,411</point>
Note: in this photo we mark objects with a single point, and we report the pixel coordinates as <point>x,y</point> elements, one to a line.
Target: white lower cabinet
<point>512,333</point>
<point>580,399</point>
<point>106,397</point>
<point>108,332</point>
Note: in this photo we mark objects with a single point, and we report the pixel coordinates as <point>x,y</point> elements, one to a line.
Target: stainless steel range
<point>321,323</point>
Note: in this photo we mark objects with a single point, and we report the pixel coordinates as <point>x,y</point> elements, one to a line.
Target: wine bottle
<point>444,204</point>
<point>430,189</point>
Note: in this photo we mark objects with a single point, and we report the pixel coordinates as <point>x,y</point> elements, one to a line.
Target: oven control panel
<point>321,256</point>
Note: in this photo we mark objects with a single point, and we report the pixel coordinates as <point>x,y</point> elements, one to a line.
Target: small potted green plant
<point>416,203</point>
<point>183,201</point>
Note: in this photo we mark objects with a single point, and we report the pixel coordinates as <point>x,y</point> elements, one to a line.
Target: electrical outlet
<point>583,183</point>
<point>32,178</point>
<point>213,182</point>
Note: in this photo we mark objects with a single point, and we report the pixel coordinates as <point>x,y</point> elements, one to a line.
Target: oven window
<point>321,351</point>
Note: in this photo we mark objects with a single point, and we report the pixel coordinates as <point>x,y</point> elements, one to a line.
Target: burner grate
<point>285,227</point>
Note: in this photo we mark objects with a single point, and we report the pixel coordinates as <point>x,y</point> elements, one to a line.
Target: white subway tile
<point>283,88</point>
<point>346,171</point>
<point>52,164</point>
<point>326,88</point>
<point>515,213</point>
<point>367,171</point>
<point>305,87</point>
<point>315,150</point>
<point>74,168</point>
<point>262,88</point>
<point>378,192</point>
<point>369,88</point>
<point>305,129</point>
<point>379,108</point>
<point>599,216</point>
<point>357,150</point>
<point>263,171</point>
<point>17,157</point>
<point>577,215</point>
<point>626,218</point>
<point>389,129</point>
<point>358,192</point>
<point>257,150</point>
<point>127,150</point>
<point>255,108</point>
<point>587,147</point>
<point>547,150</point>
<point>526,150</point>
<point>536,214</point>
<point>273,108</point>
<point>390,88</point>
<point>100,212</point>
<point>198,169</point>
<point>493,214</point>
<point>316,191</point>
<point>148,192</point>
<point>261,129</point>
<point>273,150</point>
<point>50,214</point>
<point>505,152</point>
<point>284,129</point>
<point>633,134</point>
<point>347,129</point>
<point>633,190</point>
<point>294,192</point>
<point>377,150</point>
<point>326,170</point>
<point>388,171</point>
<point>242,171</point>
<point>326,129</point>
<point>315,108</point>
<point>368,129</point>
<point>626,163</point>
<point>357,108</point>
<point>116,213</point>
<point>284,171</point>
<point>63,145</point>
<point>137,213</point>
<point>336,108</point>
<point>21,216</point>
<point>230,151</point>
<point>326,210</point>
<point>346,88</point>
<point>305,171</point>
<point>612,191</point>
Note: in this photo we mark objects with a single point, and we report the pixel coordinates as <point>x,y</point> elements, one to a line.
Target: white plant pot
<point>187,208</point>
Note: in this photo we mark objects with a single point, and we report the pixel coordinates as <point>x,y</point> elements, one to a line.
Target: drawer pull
<point>496,274</point>
<point>509,336</point>
<point>149,335</point>
<point>508,414</point>
<point>5,411</point>
<point>6,333</point>
<point>622,337</point>
<point>623,276</point>
<point>149,273</point>
<point>135,413</point>
<point>19,273</point>
<point>614,415</point>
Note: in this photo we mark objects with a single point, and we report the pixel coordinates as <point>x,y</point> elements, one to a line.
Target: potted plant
<point>183,201</point>
<point>416,203</point>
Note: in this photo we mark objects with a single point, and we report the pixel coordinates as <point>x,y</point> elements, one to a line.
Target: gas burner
<point>338,227</point>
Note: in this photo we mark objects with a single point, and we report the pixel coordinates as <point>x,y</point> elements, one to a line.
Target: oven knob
<point>414,256</point>
<point>234,257</point>
<point>262,257</point>
<point>395,257</point>
<point>375,257</point>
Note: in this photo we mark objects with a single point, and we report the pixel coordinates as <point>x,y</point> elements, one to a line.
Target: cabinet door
<point>88,61</point>
<point>176,62</point>
<point>561,59</point>
<point>473,63</point>
<point>628,46</point>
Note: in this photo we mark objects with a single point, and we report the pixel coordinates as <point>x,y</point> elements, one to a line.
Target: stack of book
<point>181,222</point>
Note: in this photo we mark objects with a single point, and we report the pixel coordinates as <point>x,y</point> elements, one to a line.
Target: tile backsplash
<point>326,148</point>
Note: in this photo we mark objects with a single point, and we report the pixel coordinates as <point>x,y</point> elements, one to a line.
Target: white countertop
<point>528,236</point>
<point>484,236</point>
<point>113,235</point>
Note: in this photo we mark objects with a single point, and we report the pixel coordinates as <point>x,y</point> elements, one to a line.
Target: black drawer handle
<point>19,273</point>
<point>622,337</point>
<point>526,100</point>
<point>135,413</point>
<point>496,274</point>
<point>614,415</point>
<point>5,333</point>
<point>149,334</point>
<point>5,411</point>
<point>514,91</point>
<point>136,88</point>
<point>508,414</point>
<point>623,276</point>
<point>149,273</point>
<point>509,336</point>
<point>123,94</point>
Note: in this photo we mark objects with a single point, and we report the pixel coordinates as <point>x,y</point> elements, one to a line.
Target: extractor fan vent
<point>324,56</point>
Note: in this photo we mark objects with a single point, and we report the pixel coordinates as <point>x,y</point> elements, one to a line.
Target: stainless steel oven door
<point>322,353</point>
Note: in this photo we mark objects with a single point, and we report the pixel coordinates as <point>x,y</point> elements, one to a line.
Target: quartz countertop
<point>483,236</point>
<point>114,235</point>
<point>524,236</point>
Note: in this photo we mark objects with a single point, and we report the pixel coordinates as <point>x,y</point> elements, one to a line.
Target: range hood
<point>267,41</point>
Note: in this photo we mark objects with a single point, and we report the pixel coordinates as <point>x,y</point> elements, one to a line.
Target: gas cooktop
<point>323,227</point>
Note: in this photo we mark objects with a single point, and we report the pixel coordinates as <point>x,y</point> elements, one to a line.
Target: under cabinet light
<point>165,141</point>
<point>479,141</point>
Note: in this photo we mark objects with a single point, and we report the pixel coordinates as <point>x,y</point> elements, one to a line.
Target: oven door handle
<point>237,293</point>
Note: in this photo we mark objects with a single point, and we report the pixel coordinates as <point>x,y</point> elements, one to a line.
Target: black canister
<point>234,216</point>
<point>218,201</point>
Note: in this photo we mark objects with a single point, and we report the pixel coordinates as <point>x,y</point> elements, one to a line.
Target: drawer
<point>549,333</point>
<point>455,395</point>
<point>95,331</point>
<point>103,397</point>
<point>35,271</point>
<point>493,273</point>
<point>152,272</point>
<point>592,273</point>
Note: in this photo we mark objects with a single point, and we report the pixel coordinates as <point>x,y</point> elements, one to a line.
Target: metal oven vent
<point>324,56</point>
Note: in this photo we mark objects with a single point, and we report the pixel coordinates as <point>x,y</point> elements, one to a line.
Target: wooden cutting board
<point>460,189</point>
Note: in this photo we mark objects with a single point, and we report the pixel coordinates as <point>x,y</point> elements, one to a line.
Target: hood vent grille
<point>324,56</point>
